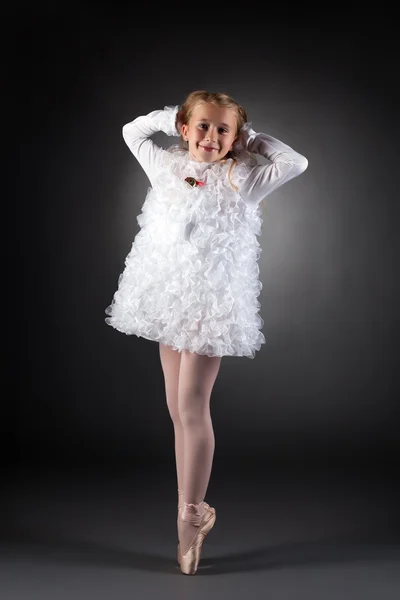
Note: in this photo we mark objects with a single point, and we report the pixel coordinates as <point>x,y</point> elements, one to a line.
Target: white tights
<point>189,379</point>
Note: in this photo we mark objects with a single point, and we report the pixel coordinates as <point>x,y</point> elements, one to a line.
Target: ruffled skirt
<point>191,278</point>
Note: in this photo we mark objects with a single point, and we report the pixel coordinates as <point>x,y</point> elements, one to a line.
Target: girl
<point>191,278</point>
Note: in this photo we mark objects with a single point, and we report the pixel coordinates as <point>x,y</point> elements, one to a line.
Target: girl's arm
<point>264,179</point>
<point>137,137</point>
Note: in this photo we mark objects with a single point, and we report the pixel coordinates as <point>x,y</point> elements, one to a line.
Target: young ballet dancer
<point>191,281</point>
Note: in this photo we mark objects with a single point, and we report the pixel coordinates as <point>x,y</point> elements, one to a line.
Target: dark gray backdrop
<point>323,388</point>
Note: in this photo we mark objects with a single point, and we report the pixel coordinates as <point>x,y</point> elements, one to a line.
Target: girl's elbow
<point>302,163</point>
<point>127,131</point>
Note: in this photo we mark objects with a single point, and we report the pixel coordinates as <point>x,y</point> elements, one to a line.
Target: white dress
<point>191,279</point>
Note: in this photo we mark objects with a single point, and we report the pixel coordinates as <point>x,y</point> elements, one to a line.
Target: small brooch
<point>193,182</point>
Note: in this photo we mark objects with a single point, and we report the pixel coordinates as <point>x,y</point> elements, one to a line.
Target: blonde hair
<point>218,99</point>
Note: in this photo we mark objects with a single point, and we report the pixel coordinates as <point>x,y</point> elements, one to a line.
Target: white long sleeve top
<point>286,163</point>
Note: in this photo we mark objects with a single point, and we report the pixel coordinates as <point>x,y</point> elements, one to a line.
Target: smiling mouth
<point>208,148</point>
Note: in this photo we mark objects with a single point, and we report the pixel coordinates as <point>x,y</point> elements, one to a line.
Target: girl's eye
<point>222,129</point>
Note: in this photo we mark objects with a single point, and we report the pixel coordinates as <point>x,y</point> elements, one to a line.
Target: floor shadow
<point>326,551</point>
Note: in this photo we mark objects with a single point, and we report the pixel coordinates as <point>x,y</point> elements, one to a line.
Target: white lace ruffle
<point>191,278</point>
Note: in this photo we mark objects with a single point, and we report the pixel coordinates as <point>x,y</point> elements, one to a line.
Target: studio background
<point>323,389</point>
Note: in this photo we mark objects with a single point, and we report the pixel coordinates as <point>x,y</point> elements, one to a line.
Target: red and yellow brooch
<point>193,182</point>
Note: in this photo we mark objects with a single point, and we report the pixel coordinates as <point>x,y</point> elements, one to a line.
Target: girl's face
<point>210,132</point>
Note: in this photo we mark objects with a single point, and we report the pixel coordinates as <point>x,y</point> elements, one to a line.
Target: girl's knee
<point>193,410</point>
<point>192,420</point>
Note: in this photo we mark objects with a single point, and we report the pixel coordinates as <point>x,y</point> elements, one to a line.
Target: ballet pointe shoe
<point>190,560</point>
<point>178,554</point>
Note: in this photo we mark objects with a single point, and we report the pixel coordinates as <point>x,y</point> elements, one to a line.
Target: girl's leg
<point>170,362</point>
<point>196,379</point>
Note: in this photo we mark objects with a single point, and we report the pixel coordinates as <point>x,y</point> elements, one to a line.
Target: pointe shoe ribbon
<point>193,513</point>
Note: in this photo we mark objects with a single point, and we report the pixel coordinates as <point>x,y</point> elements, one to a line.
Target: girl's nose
<point>211,134</point>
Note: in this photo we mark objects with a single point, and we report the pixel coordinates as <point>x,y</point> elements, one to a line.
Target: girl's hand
<point>243,137</point>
